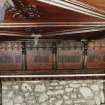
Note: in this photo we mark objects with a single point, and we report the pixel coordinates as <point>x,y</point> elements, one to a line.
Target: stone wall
<point>53,92</point>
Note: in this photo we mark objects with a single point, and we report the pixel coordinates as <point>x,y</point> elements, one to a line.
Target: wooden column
<point>84,54</point>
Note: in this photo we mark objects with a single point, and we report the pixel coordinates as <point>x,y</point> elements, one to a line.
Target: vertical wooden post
<point>54,55</point>
<point>84,54</point>
<point>24,57</point>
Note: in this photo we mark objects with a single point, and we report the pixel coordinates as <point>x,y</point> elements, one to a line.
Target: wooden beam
<point>52,24</point>
<point>76,31</point>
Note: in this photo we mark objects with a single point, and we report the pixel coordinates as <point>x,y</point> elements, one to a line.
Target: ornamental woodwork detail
<point>25,10</point>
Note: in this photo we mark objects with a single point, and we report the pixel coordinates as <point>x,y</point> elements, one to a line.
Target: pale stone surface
<point>102,97</point>
<point>9,102</point>
<point>75,85</point>
<point>66,97</point>
<point>58,87</point>
<point>86,92</point>
<point>43,97</point>
<point>16,87</point>
<point>95,87</point>
<point>10,94</point>
<point>26,87</point>
<point>50,93</point>
<point>59,102</point>
<point>97,100</point>
<point>40,88</point>
<point>68,89</point>
<point>53,92</point>
<point>63,82</point>
<point>68,102</point>
<point>73,95</point>
<point>54,83</point>
<point>18,99</point>
<point>59,92</point>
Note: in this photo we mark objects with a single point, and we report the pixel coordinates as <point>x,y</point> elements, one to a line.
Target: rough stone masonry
<point>53,92</point>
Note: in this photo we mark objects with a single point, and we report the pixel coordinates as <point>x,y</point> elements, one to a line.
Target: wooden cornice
<point>77,6</point>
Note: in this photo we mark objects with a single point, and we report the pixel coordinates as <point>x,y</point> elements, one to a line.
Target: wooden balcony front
<point>51,57</point>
